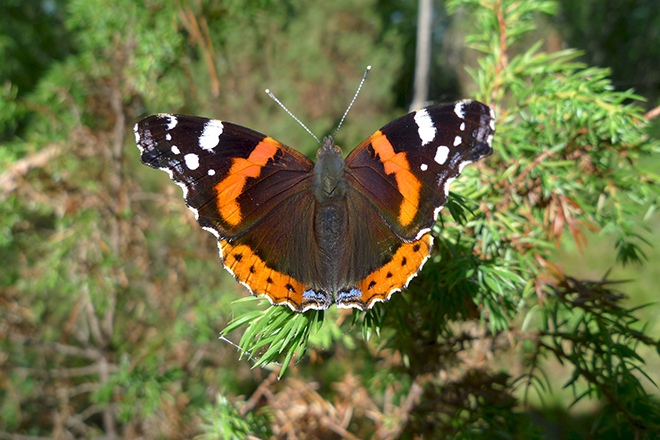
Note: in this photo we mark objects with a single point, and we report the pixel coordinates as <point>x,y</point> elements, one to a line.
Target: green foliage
<point>142,386</point>
<point>477,407</point>
<point>628,40</point>
<point>224,420</point>
<point>39,27</point>
<point>112,298</point>
<point>279,329</point>
<point>585,325</point>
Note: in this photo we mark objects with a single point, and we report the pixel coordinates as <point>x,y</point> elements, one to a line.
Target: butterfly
<point>350,231</point>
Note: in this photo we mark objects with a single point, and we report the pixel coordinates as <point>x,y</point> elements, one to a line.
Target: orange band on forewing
<point>232,186</point>
<point>405,263</point>
<point>407,184</point>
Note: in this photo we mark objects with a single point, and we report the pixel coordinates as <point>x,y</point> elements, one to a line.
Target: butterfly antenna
<point>364,77</point>
<point>292,115</point>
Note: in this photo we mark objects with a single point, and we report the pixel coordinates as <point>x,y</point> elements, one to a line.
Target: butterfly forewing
<point>220,165</point>
<point>406,167</point>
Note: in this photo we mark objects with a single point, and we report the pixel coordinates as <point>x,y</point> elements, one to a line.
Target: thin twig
<point>87,387</point>
<point>412,399</point>
<point>9,179</point>
<point>66,372</point>
<point>503,61</point>
<point>339,430</point>
<point>89,353</point>
<point>8,436</point>
<point>540,158</point>
<point>94,325</point>
<point>652,114</point>
<point>198,356</point>
<point>196,35</point>
<point>259,392</point>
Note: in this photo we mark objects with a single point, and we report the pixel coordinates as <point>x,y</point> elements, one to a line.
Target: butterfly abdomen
<point>330,230</point>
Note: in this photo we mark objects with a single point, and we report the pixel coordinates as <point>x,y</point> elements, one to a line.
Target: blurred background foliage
<point>112,298</point>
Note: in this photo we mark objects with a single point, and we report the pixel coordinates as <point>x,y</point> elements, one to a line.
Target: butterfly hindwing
<point>379,263</point>
<point>276,259</point>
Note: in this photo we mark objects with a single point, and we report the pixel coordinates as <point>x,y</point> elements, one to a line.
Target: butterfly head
<point>329,179</point>
<point>328,147</point>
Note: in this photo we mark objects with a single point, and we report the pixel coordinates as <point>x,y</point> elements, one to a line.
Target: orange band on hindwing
<point>251,270</point>
<point>407,184</point>
<point>395,275</point>
<point>228,189</point>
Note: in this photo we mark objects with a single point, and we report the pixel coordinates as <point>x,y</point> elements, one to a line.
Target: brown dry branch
<point>503,61</point>
<point>67,372</point>
<point>9,436</point>
<point>10,179</point>
<point>198,356</point>
<point>70,350</point>
<point>564,211</point>
<point>119,189</point>
<point>302,413</point>
<point>412,399</point>
<point>92,319</point>
<point>201,37</point>
<point>652,114</point>
<point>520,179</point>
<point>87,387</point>
<point>254,399</point>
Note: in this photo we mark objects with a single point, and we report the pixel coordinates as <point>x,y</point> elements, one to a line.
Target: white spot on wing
<point>463,165</point>
<point>425,127</point>
<point>459,110</point>
<point>211,135</point>
<point>424,167</point>
<point>211,173</point>
<point>175,149</point>
<point>192,161</point>
<point>462,126</point>
<point>181,184</point>
<point>445,188</point>
<point>195,212</point>
<point>172,121</point>
<point>184,187</point>
<point>214,232</point>
<point>441,154</point>
<point>168,137</point>
<point>436,212</point>
<point>137,135</point>
<point>457,141</point>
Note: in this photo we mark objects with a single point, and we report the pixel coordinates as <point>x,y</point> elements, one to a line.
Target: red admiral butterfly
<point>306,234</point>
